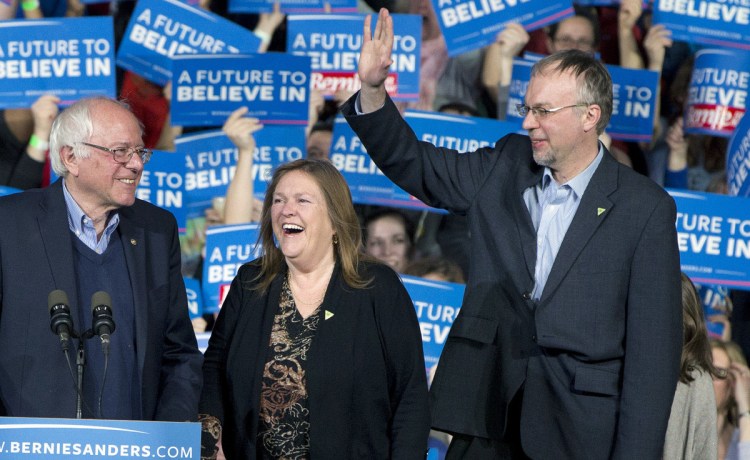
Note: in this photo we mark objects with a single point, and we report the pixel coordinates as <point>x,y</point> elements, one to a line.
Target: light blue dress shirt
<point>552,207</point>
<point>83,227</point>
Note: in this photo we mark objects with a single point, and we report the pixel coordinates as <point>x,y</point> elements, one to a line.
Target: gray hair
<point>74,125</point>
<point>594,82</point>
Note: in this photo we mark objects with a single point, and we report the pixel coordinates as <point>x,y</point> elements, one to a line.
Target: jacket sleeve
<point>440,177</point>
<point>180,381</point>
<point>215,357</point>
<point>407,380</point>
<point>653,340</point>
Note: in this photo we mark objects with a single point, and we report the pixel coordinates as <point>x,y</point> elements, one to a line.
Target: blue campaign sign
<point>293,6</point>
<point>706,22</point>
<point>211,159</point>
<point>207,89</point>
<point>369,185</point>
<point>160,30</point>
<point>54,438</point>
<point>519,82</point>
<point>227,248</point>
<point>738,160</point>
<point>472,24</point>
<point>203,338</point>
<point>71,58</point>
<point>333,42</point>
<point>162,184</point>
<point>717,97</point>
<point>634,98</point>
<point>598,2</point>
<point>437,304</point>
<point>5,190</point>
<point>715,302</point>
<point>713,234</point>
<point>458,132</point>
<point>194,297</point>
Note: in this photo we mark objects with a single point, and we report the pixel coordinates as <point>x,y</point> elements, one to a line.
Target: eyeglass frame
<point>143,153</point>
<point>541,112</point>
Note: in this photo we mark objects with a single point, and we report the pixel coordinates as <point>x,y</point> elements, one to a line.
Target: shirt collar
<point>579,183</point>
<point>76,216</point>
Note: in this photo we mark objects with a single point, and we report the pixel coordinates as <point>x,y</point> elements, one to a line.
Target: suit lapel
<point>58,246</point>
<point>132,237</point>
<point>593,209</point>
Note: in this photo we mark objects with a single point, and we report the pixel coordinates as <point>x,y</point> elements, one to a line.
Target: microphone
<point>102,324</point>
<point>61,322</point>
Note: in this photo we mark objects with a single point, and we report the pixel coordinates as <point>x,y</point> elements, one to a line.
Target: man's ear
<point>591,117</point>
<point>69,159</point>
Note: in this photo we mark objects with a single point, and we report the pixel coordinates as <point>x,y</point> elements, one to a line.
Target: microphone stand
<point>80,362</point>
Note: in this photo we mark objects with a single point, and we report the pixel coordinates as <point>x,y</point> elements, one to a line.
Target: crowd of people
<point>553,355</point>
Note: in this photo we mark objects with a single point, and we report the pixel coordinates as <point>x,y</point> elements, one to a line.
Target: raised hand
<point>657,39</point>
<point>240,130</point>
<point>629,12</point>
<point>375,60</point>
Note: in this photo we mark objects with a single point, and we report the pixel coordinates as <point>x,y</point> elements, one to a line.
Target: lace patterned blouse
<point>283,432</point>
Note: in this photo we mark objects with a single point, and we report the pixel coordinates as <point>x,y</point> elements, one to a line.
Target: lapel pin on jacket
<point>600,211</point>
<point>328,315</point>
<point>133,241</point>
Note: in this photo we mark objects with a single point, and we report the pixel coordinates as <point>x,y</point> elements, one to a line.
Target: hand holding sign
<point>240,130</point>
<point>657,40</point>
<point>44,110</point>
<point>239,203</point>
<point>375,61</point>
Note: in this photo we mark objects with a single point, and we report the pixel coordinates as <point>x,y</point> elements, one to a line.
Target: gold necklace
<point>297,298</point>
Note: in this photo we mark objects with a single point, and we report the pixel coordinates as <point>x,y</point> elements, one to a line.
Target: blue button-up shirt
<point>83,226</point>
<point>552,207</point>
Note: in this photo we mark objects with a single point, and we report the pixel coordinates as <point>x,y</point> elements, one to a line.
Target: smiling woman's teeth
<point>291,228</point>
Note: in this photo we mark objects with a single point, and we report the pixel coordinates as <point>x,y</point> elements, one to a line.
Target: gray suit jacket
<point>598,356</point>
<point>36,257</point>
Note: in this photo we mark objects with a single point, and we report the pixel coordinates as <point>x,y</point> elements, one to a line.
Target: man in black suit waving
<point>568,343</point>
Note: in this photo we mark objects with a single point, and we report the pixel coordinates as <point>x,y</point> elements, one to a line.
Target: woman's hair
<point>445,268</point>
<point>696,350</point>
<point>393,213</point>
<point>347,234</point>
<point>594,84</point>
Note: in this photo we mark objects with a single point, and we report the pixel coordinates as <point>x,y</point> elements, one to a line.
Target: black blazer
<point>598,356</point>
<point>365,369</point>
<point>36,257</point>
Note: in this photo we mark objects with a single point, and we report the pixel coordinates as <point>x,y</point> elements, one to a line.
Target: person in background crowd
<point>276,383</point>
<point>389,237</point>
<point>437,269</point>
<point>24,141</point>
<point>544,324</point>
<point>732,401</point>
<point>691,432</point>
<point>83,234</point>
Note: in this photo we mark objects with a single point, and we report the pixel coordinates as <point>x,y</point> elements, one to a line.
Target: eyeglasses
<point>123,155</point>
<point>541,112</point>
<point>571,43</point>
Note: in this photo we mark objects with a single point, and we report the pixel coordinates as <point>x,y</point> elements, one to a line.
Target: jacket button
<point>533,337</point>
<point>526,296</point>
